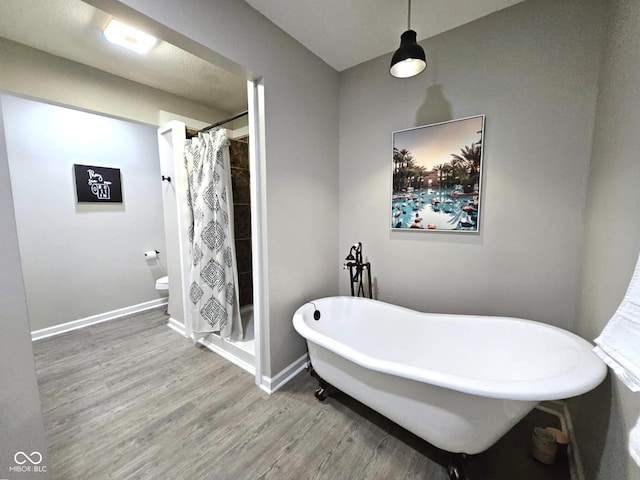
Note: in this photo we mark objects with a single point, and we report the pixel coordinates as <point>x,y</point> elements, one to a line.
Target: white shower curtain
<point>213,291</point>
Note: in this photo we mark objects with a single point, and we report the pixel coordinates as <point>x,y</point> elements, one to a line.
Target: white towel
<point>619,343</point>
<point>634,442</point>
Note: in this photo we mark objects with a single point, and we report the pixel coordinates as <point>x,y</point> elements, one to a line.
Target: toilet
<point>162,284</point>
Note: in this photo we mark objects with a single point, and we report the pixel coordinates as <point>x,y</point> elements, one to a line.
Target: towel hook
<point>168,179</point>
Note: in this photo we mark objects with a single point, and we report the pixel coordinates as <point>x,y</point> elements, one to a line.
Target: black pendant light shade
<point>409,60</point>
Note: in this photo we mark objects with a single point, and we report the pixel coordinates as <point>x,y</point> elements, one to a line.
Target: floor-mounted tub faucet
<point>356,268</point>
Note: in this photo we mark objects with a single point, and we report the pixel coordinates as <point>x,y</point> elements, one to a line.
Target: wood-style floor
<point>131,399</point>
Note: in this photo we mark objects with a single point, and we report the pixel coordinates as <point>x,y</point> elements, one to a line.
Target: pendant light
<point>409,60</point>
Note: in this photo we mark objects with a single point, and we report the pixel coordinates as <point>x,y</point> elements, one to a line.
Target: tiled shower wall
<point>239,154</point>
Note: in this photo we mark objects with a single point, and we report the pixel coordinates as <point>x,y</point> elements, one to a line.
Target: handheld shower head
<point>354,252</point>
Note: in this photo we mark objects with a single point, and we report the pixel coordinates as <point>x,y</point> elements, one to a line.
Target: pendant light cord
<point>409,17</point>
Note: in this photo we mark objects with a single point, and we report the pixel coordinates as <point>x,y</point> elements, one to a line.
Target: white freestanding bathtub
<point>460,382</point>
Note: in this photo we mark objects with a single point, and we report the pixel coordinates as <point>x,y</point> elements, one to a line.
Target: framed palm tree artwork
<point>437,177</point>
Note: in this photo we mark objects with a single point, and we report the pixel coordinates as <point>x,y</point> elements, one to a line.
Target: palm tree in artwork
<point>467,164</point>
<point>401,159</point>
<point>472,153</point>
<point>439,170</point>
<point>447,169</point>
<point>404,167</point>
<point>397,159</point>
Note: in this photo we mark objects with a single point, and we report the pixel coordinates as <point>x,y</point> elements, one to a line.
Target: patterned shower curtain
<point>213,291</point>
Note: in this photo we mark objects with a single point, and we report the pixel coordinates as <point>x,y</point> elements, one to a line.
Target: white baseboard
<point>268,384</point>
<point>102,317</point>
<point>177,326</point>
<point>272,384</point>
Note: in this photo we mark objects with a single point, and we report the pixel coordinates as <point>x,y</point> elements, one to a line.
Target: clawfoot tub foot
<point>322,392</point>
<point>455,468</point>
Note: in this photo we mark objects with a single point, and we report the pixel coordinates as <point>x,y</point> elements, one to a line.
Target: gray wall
<point>612,241</point>
<point>530,69</point>
<point>82,259</point>
<point>301,151</point>
<point>20,414</point>
<point>558,82</point>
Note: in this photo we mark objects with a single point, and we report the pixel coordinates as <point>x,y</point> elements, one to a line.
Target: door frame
<point>258,187</point>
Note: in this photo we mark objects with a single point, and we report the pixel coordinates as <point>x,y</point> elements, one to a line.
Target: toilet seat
<point>162,283</point>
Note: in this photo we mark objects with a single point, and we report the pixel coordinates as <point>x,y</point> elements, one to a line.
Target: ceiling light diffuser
<point>127,36</point>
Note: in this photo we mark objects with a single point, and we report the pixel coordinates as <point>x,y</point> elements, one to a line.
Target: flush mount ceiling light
<point>126,36</point>
<point>409,60</point>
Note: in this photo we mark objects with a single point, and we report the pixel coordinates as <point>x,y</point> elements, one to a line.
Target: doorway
<point>138,110</point>
<point>248,190</point>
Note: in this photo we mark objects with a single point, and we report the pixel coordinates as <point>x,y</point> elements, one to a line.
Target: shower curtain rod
<point>222,122</point>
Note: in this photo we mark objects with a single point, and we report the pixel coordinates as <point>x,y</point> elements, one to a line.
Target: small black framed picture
<point>97,184</point>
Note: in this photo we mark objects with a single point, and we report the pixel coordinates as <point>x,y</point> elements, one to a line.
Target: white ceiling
<point>345,33</point>
<point>73,30</point>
